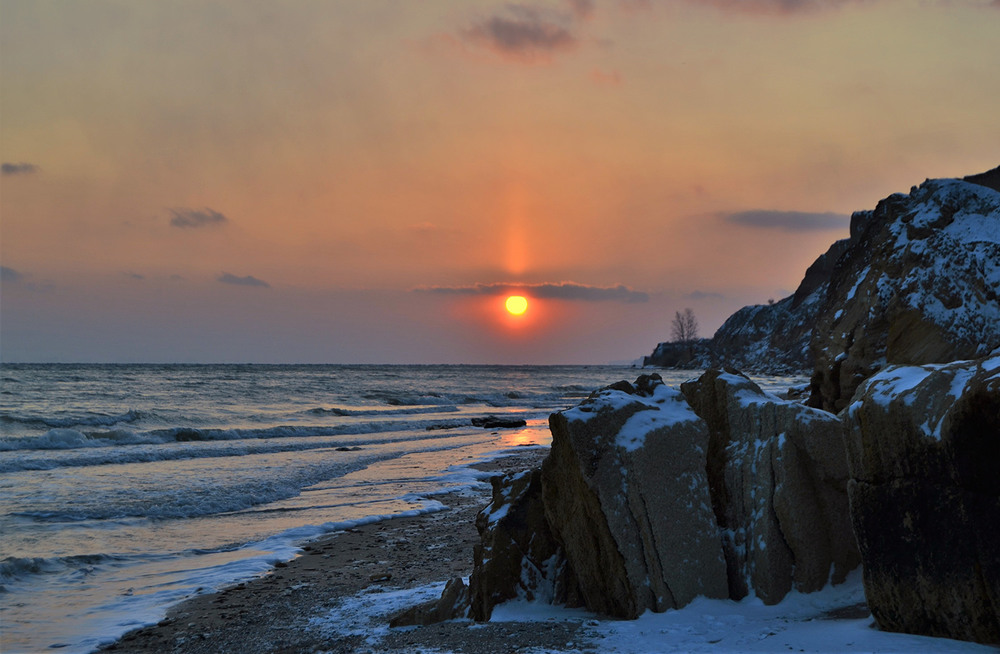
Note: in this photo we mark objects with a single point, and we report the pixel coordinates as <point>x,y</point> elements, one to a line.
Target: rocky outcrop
<point>918,283</point>
<point>453,603</point>
<point>778,477</point>
<point>651,497</point>
<point>517,555</point>
<point>625,492</point>
<point>923,448</point>
<point>769,338</point>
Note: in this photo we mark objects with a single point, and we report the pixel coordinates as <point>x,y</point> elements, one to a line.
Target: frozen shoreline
<point>337,596</point>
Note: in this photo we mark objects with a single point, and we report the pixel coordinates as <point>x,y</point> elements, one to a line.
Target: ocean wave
<point>93,453</point>
<point>13,568</point>
<point>86,420</point>
<point>411,411</point>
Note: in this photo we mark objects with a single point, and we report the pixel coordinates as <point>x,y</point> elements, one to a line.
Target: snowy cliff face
<point>764,338</point>
<point>918,283</point>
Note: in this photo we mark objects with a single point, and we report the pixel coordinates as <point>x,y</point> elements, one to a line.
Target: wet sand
<point>272,613</point>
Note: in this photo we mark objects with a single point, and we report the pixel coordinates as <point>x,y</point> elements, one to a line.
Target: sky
<point>366,182</point>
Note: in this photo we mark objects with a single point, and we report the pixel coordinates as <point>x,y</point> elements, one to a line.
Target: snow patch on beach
<point>831,620</point>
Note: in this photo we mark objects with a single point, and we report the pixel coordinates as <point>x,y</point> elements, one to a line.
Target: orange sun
<point>516,304</point>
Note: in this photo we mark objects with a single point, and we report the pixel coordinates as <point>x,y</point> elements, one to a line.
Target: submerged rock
<point>625,492</point>
<point>778,479</point>
<point>924,449</point>
<point>493,422</point>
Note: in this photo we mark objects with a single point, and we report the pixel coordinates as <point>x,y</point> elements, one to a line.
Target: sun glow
<point>516,304</point>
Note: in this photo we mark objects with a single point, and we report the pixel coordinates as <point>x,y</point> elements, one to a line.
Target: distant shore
<point>272,613</point>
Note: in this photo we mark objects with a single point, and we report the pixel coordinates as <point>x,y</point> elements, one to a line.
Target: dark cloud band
<point>560,291</point>
<point>196,217</point>
<point>525,33</point>
<point>789,221</point>
<point>249,280</point>
<point>21,168</point>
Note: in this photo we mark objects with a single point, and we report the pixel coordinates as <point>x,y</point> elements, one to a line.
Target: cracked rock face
<point>778,478</point>
<point>651,497</point>
<point>625,491</point>
<point>923,449</point>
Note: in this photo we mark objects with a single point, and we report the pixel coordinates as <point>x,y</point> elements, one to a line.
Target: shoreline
<point>273,612</point>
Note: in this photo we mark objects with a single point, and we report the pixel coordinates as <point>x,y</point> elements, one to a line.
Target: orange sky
<point>344,181</point>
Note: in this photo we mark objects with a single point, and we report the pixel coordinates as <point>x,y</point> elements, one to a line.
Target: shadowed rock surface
<point>778,479</point>
<point>919,283</point>
<point>924,450</point>
<point>517,555</point>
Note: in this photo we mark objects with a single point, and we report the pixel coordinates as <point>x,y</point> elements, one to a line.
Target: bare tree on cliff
<point>684,327</point>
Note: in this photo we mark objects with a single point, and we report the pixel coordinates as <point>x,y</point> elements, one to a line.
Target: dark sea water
<point>125,488</point>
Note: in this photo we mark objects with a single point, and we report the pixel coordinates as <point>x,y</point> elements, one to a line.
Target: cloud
<point>789,221</point>
<point>134,275</point>
<point>196,217</point>
<point>18,168</point>
<point>775,6</point>
<point>554,291</point>
<point>249,280</point>
<point>526,34</point>
<point>10,275</point>
<point>704,295</point>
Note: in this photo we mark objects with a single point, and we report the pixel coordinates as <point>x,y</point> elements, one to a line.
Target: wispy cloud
<point>789,221</point>
<point>249,280</point>
<point>606,78</point>
<point>10,275</point>
<point>704,295</point>
<point>775,6</point>
<point>527,34</point>
<point>556,291</point>
<point>196,217</point>
<point>21,168</point>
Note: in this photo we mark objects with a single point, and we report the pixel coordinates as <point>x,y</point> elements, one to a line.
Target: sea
<point>127,488</point>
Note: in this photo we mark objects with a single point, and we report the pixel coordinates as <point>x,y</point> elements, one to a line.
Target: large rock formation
<point>923,449</point>
<point>919,283</point>
<point>625,492</point>
<point>645,503</point>
<point>768,338</point>
<point>916,282</point>
<point>778,479</point>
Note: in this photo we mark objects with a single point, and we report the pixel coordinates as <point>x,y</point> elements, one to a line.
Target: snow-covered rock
<point>918,283</point>
<point>625,492</point>
<point>923,448</point>
<point>778,479</point>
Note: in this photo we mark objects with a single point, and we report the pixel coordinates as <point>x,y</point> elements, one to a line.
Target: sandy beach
<point>279,611</point>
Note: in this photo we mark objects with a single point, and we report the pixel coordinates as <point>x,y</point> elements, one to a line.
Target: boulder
<point>625,492</point>
<point>918,283</point>
<point>453,603</point>
<point>923,447</point>
<point>778,479</point>
<point>517,555</point>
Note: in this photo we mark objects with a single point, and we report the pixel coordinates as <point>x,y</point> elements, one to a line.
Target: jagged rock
<point>686,356</point>
<point>453,603</point>
<point>493,422</point>
<point>919,283</point>
<point>778,479</point>
<point>923,448</point>
<point>517,555</point>
<point>625,492</point>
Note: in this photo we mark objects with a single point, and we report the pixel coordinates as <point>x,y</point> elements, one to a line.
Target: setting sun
<point>517,304</point>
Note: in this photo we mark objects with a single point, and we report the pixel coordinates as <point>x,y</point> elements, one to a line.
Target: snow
<point>665,407</point>
<point>800,623</point>
<point>896,382</point>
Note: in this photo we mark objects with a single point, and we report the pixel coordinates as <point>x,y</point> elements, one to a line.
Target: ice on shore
<point>831,620</point>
